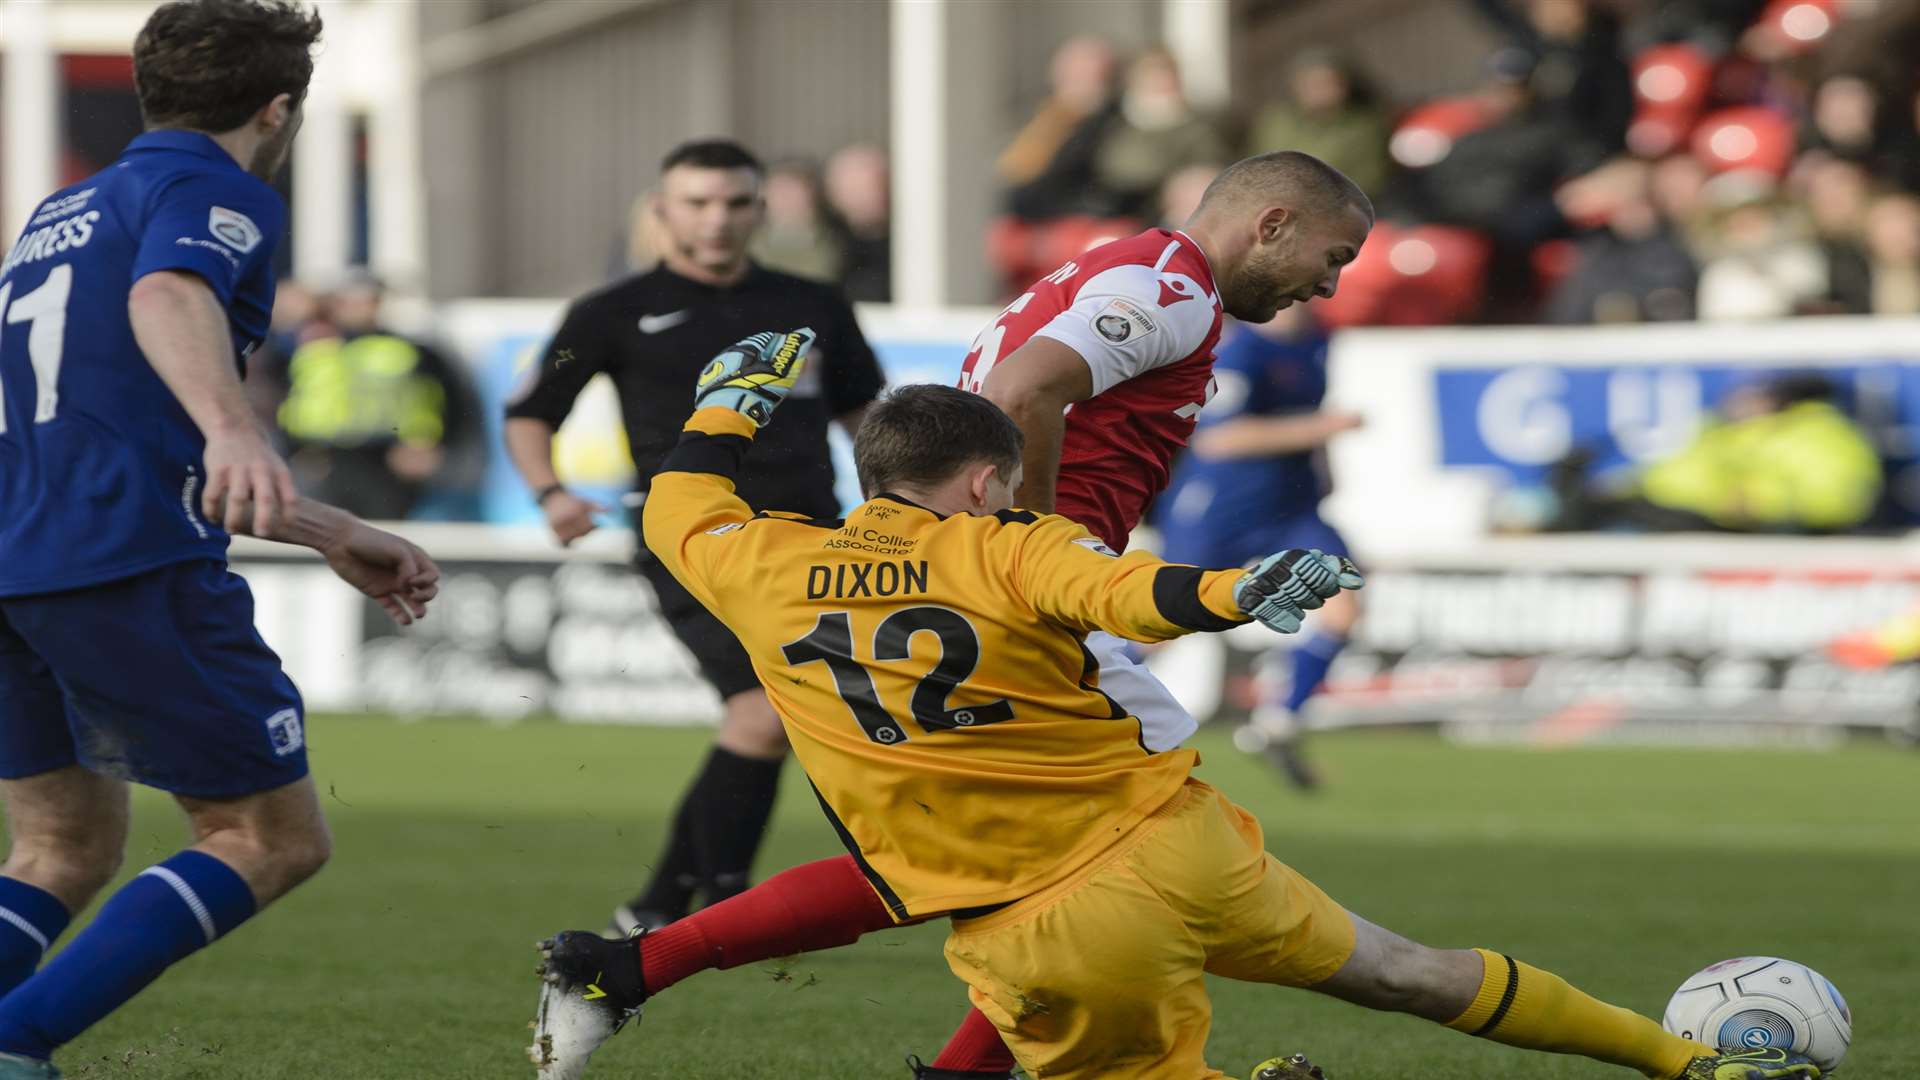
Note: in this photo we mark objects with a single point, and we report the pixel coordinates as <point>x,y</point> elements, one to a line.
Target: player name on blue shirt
<point>100,466</point>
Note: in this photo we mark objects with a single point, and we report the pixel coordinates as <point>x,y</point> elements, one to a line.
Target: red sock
<point>821,905</point>
<point>976,1047</point>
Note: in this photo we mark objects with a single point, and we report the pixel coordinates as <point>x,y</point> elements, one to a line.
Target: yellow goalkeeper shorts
<point>1101,974</point>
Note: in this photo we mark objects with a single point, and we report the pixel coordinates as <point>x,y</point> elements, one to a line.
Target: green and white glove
<point>753,376</point>
<point>1280,589</point>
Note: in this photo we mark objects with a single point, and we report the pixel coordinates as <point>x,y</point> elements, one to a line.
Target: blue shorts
<point>1221,550</point>
<point>159,678</point>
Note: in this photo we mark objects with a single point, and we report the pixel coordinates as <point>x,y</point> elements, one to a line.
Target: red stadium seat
<point>1675,77</point>
<point>1792,27</point>
<point>1670,88</point>
<point>1024,250</point>
<point>1745,137</point>
<point>1426,133</point>
<point>1422,275</point>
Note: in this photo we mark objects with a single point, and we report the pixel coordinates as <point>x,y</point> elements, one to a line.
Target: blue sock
<point>30,919</point>
<point>154,921</point>
<point>1310,660</point>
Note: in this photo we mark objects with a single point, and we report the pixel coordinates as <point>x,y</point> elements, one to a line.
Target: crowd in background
<point>1618,162</point>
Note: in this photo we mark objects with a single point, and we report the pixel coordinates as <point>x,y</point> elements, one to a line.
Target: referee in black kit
<point>652,333</point>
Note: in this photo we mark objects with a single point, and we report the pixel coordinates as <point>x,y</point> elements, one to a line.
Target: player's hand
<point>386,567</point>
<point>753,376</point>
<point>1280,589</point>
<point>249,490</point>
<point>570,516</point>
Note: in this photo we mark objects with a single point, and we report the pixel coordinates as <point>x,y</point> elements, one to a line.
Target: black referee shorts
<point>722,659</point>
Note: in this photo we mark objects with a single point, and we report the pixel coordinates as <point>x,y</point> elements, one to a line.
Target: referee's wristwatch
<point>540,497</point>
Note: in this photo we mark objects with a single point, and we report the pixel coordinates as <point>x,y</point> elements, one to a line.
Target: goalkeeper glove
<point>753,376</point>
<point>1280,589</point>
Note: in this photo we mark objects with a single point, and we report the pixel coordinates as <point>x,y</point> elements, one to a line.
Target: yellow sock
<point>1521,1005</point>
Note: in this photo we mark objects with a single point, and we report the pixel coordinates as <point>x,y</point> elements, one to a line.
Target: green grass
<point>411,956</point>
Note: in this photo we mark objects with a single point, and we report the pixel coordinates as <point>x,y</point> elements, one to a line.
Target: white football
<point>1756,1001</point>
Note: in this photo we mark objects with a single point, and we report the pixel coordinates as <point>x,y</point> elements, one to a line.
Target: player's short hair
<point>712,154</point>
<point>1316,185</point>
<point>209,65</point>
<point>921,435</point>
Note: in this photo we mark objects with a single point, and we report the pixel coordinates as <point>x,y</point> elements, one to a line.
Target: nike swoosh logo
<point>653,324</point>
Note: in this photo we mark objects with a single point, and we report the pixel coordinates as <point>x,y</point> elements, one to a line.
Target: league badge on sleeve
<point>1122,321</point>
<point>234,229</point>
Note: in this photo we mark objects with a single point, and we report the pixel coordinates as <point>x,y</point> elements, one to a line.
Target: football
<point>1756,1001</point>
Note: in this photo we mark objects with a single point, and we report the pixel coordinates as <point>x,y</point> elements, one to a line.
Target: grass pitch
<point>411,956</point>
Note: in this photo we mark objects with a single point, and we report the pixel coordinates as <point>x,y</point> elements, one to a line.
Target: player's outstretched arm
<point>1269,436</point>
<point>690,504</point>
<point>181,328</point>
<point>387,567</point>
<point>1072,578</point>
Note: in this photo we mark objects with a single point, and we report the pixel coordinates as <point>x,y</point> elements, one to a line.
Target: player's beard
<point>1252,293</point>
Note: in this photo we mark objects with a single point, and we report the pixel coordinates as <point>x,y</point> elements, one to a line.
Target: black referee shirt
<point>654,332</point>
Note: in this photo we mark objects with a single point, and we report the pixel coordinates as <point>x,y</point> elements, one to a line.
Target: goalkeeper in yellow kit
<point>926,657</point>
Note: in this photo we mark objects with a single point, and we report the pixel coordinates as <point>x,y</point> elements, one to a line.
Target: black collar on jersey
<point>904,501</point>
<point>186,142</point>
<point>1007,517</point>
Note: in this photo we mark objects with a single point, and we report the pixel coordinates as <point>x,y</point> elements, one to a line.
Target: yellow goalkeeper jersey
<point>932,673</point>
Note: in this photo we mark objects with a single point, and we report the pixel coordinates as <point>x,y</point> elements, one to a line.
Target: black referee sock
<point>734,796</point>
<point>677,874</point>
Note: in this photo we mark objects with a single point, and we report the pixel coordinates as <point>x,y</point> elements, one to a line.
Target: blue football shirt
<point>100,466</point>
<point>1256,376</point>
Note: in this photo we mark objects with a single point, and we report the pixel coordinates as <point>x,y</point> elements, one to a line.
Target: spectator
<point>374,417</point>
<point>1499,179</point>
<point>1893,254</point>
<point>797,238</point>
<point>1678,188</point>
<point>1330,113</point>
<point>859,191</point>
<point>1049,166</point>
<point>1578,81</point>
<point>1635,268</point>
<point>1845,119</point>
<point>1836,194</point>
<point>1782,457</point>
<point>1156,135</point>
<point>1764,267</point>
<point>1180,195</point>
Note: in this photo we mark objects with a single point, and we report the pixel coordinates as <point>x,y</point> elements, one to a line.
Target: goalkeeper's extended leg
<point>591,988</point>
<point>1489,995</point>
<point>814,906</point>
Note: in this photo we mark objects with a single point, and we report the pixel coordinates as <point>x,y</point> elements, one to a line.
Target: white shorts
<point>1164,722</point>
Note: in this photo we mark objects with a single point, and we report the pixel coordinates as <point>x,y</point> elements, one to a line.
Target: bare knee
<point>274,840</point>
<point>751,728</point>
<point>273,860</point>
<point>73,868</point>
<point>68,829</point>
